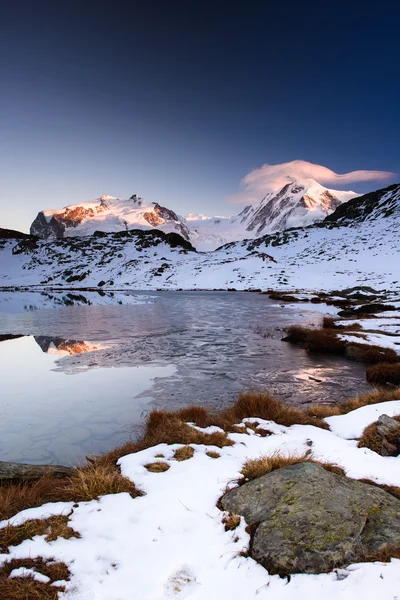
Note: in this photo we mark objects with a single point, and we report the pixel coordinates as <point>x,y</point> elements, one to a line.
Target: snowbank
<point>171,542</point>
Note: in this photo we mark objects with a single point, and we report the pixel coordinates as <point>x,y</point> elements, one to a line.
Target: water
<point>88,367</point>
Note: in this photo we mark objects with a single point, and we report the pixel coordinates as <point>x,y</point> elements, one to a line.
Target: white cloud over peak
<point>273,177</point>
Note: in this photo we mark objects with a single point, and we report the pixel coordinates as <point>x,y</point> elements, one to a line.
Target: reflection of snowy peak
<point>106,214</point>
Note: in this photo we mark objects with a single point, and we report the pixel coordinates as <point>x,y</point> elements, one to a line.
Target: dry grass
<point>163,427</point>
<point>383,374</point>
<point>15,497</point>
<point>96,480</point>
<point>264,406</point>
<point>55,571</point>
<point>183,453</point>
<point>86,483</point>
<point>257,467</point>
<point>157,467</point>
<point>374,397</point>
<point>322,411</point>
<point>326,340</point>
<point>53,527</point>
<point>384,555</point>
<point>213,454</point>
<point>316,340</point>
<point>334,323</point>
<point>231,521</point>
<point>372,440</point>
<point>26,588</point>
<point>370,354</point>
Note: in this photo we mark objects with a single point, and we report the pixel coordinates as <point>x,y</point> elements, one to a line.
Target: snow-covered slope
<point>295,205</point>
<point>106,214</point>
<point>359,243</point>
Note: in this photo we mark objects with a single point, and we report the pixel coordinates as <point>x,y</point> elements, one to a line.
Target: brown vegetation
<point>53,527</point>
<point>374,397</point>
<point>384,374</point>
<point>157,467</point>
<point>26,588</point>
<point>183,453</point>
<point>332,323</point>
<point>326,340</point>
<point>231,521</point>
<point>212,454</point>
<point>86,483</point>
<point>254,468</point>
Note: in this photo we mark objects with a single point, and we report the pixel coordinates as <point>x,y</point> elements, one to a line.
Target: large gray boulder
<point>305,519</point>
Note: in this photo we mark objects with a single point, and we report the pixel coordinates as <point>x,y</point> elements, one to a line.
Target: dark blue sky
<point>178,101</point>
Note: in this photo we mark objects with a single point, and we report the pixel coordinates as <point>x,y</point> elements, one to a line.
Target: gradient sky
<point>179,101</point>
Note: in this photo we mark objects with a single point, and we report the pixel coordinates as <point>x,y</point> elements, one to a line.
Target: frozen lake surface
<point>88,367</point>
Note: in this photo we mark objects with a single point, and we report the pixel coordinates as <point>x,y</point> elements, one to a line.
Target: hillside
<point>342,251</point>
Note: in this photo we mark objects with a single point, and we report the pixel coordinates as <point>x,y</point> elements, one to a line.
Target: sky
<point>189,104</point>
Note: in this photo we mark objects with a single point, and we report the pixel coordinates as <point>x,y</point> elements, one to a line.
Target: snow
<point>113,214</point>
<point>352,425</point>
<point>171,542</point>
<point>23,572</point>
<point>375,340</point>
<point>318,258</point>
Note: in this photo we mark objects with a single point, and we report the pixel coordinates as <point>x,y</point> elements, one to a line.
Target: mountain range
<point>295,205</point>
<point>357,243</point>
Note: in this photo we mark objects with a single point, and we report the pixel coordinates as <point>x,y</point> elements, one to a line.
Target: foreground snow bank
<point>171,543</point>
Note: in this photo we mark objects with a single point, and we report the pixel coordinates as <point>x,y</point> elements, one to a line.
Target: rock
<point>305,519</point>
<point>387,426</point>
<point>25,472</point>
<point>389,430</point>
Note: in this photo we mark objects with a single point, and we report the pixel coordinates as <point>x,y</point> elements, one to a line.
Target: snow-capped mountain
<point>106,214</point>
<point>359,242</point>
<point>295,205</point>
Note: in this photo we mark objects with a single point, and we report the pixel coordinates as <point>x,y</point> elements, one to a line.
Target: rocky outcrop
<point>11,234</point>
<point>388,432</point>
<point>381,203</point>
<point>305,519</point>
<point>10,471</point>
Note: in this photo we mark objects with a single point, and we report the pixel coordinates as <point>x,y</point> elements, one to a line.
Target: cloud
<point>273,177</point>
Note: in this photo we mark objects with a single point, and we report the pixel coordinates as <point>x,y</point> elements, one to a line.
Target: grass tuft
<point>257,467</point>
<point>231,521</point>
<point>213,454</point>
<point>88,483</point>
<point>183,453</point>
<point>157,467</point>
